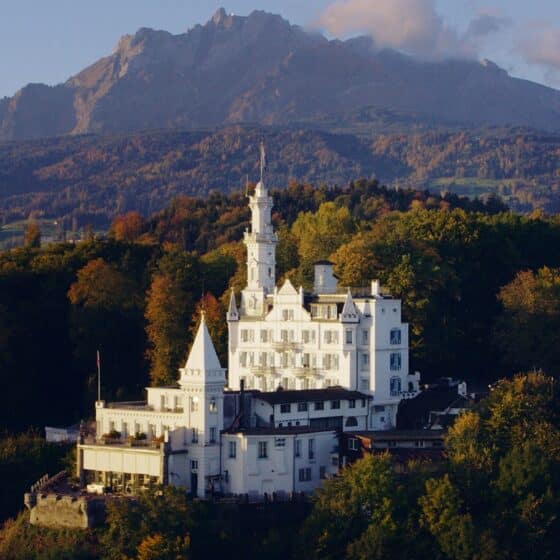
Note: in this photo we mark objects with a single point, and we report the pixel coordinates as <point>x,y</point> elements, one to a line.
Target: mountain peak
<point>219,16</point>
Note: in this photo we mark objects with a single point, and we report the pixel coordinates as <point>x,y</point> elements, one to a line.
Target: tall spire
<point>232,314</point>
<point>203,361</point>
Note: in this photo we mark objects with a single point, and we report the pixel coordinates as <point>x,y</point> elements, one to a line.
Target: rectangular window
<point>243,359</point>
<point>363,403</point>
<point>301,475</point>
<point>322,472</point>
<point>311,449</point>
<point>194,404</point>
<point>302,407</point>
<point>279,442</point>
<point>194,435</point>
<point>319,405</point>
<point>212,406</point>
<point>212,435</point>
<point>352,403</point>
<point>328,337</point>
<point>244,335</point>
<point>285,408</point>
<point>232,449</point>
<point>298,448</point>
<point>194,465</point>
<point>353,444</point>
<point>305,336</point>
<point>284,335</point>
<point>305,361</point>
<point>396,361</point>
<point>395,336</point>
<point>335,405</point>
<point>365,361</point>
<point>264,336</point>
<point>348,336</point>
<point>365,336</point>
<point>308,473</point>
<point>263,449</point>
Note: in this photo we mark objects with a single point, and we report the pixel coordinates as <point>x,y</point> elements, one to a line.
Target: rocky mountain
<point>260,69</point>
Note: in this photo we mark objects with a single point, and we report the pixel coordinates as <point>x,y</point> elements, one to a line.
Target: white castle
<point>303,368</point>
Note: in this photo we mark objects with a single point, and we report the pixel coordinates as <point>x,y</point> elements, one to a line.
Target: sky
<point>50,40</point>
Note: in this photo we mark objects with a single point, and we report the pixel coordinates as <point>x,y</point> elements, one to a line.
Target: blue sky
<point>50,40</point>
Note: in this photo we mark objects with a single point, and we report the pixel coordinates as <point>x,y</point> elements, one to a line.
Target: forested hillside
<point>88,180</point>
<point>134,294</point>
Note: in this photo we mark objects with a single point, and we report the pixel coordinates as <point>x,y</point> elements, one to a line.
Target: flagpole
<point>98,377</point>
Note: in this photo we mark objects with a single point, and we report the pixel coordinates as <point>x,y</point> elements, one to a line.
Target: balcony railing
<point>287,346</point>
<point>260,371</point>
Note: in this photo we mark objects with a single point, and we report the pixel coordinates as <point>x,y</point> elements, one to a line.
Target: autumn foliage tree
<point>166,328</point>
<point>127,227</point>
<point>106,316</point>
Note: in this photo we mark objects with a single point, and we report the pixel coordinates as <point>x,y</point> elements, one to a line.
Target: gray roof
<point>310,395</point>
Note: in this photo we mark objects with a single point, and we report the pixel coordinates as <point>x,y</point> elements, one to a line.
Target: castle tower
<point>203,380</point>
<point>261,250</point>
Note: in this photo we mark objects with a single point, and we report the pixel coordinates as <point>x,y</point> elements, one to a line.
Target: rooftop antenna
<point>263,160</point>
<point>98,376</point>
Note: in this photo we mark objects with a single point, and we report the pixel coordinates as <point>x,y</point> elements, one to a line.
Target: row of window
<point>286,408</point>
<point>289,360</point>
<point>212,405</point>
<point>307,336</point>
<point>328,362</point>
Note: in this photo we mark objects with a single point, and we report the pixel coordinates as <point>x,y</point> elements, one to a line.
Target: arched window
<point>351,422</point>
<point>395,386</point>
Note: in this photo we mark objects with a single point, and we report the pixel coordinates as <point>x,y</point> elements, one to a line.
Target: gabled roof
<point>203,355</point>
<point>287,289</point>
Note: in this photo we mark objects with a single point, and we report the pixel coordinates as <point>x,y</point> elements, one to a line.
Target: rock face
<point>261,69</point>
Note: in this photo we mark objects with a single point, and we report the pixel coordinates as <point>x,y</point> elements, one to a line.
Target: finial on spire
<point>263,160</point>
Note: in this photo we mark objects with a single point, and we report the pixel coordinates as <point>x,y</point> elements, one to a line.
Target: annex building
<point>304,369</point>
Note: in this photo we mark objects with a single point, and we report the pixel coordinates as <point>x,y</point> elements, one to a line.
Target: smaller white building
<point>274,442</point>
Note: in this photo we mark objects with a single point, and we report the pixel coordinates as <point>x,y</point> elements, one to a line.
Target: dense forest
<point>134,293</point>
<point>494,497</point>
<point>78,181</point>
<point>481,292</point>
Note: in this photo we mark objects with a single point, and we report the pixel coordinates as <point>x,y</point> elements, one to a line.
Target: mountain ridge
<point>260,69</point>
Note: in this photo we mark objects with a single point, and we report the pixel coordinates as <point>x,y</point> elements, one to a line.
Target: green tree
<point>359,515</point>
<point>528,326</point>
<point>320,234</point>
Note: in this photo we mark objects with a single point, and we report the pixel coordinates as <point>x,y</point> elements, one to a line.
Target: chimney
<point>375,288</point>
<point>325,280</point>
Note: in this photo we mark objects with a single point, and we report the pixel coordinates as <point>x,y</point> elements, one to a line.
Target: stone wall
<point>56,511</point>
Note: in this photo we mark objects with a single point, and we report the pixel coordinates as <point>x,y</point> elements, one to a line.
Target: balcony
<point>287,346</point>
<point>261,371</point>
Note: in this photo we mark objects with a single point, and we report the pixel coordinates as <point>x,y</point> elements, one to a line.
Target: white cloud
<point>540,44</point>
<point>412,26</point>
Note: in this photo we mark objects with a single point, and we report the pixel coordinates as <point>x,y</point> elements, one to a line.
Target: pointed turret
<point>349,312</point>
<point>232,314</point>
<point>202,364</point>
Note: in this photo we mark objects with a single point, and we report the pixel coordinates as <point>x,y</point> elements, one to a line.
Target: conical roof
<point>203,355</point>
<point>349,311</point>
